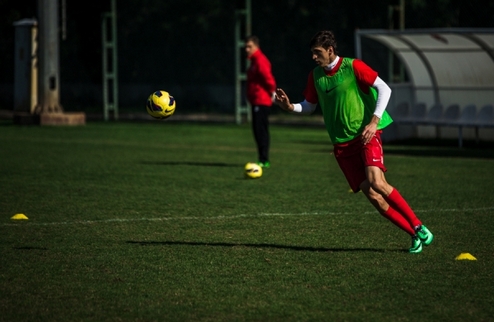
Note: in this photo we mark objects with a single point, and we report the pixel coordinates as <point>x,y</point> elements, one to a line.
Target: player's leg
<point>392,215</point>
<point>260,127</point>
<point>377,200</point>
<point>352,165</point>
<point>372,154</point>
<point>391,195</point>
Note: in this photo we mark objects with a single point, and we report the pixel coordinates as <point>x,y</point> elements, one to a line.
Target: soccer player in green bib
<point>353,101</point>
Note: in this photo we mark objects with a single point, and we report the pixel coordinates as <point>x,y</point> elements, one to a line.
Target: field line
<point>123,220</point>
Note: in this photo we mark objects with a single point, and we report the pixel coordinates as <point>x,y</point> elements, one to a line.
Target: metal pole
<point>238,79</point>
<point>358,44</point>
<point>402,14</point>
<point>245,16</point>
<point>248,17</point>
<point>109,52</point>
<point>402,27</point>
<point>391,10</point>
<point>49,62</point>
<point>104,73</point>
<point>114,59</point>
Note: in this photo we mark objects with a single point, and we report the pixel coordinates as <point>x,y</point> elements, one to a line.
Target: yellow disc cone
<point>465,256</point>
<point>18,217</point>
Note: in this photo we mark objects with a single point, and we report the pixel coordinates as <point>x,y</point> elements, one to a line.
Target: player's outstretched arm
<point>282,100</point>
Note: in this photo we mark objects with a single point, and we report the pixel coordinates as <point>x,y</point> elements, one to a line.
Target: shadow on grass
<point>263,245</point>
<point>446,148</point>
<point>198,164</point>
<point>440,148</point>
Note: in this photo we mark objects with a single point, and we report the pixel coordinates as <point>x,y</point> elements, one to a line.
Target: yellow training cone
<point>466,256</point>
<point>19,217</point>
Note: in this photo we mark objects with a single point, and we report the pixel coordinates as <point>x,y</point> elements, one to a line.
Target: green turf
<point>155,222</point>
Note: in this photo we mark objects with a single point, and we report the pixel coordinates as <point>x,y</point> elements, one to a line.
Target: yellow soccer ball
<point>252,170</point>
<point>160,105</point>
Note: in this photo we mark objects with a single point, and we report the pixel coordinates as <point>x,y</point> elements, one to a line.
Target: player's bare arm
<point>283,101</point>
<point>370,130</point>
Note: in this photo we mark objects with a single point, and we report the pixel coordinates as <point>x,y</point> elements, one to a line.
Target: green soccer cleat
<point>416,245</point>
<point>266,164</point>
<point>424,234</point>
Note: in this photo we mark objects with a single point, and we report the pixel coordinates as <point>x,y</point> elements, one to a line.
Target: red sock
<point>396,201</point>
<point>396,218</point>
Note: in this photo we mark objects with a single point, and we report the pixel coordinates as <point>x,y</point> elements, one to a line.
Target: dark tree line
<point>188,44</point>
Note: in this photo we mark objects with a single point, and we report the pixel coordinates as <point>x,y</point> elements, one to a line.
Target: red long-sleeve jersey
<point>260,80</point>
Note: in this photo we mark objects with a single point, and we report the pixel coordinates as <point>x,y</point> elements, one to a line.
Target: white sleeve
<point>304,107</point>
<point>383,95</point>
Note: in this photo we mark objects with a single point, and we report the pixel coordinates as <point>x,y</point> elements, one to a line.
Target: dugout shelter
<point>442,79</point>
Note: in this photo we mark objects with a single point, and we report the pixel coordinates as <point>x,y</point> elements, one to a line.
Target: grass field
<point>155,222</point>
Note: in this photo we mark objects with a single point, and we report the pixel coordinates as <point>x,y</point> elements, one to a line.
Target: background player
<point>261,86</point>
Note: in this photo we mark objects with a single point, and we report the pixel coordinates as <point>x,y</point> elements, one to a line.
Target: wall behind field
<point>187,46</point>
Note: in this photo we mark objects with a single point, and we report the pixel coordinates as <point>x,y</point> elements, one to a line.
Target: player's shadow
<point>191,163</point>
<point>263,245</point>
<point>441,148</point>
<point>30,248</point>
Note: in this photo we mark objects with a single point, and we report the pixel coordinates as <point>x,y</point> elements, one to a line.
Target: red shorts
<point>353,157</point>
